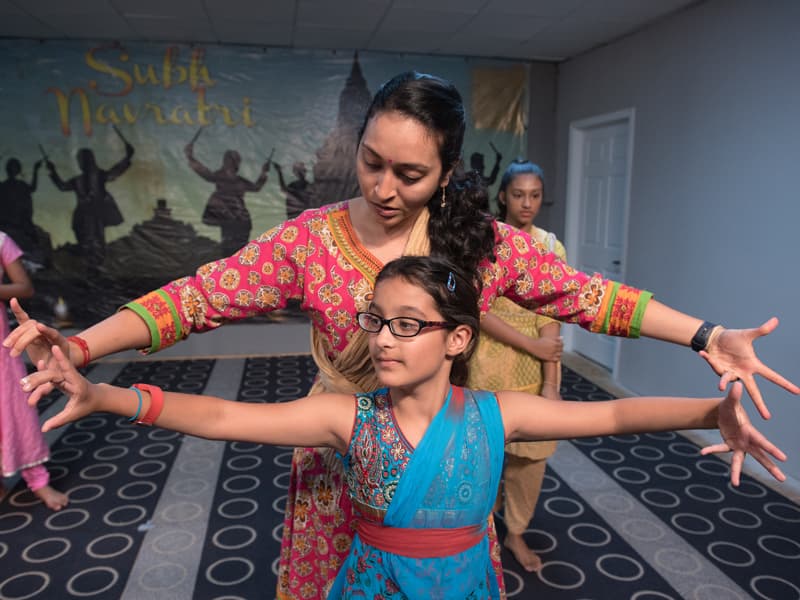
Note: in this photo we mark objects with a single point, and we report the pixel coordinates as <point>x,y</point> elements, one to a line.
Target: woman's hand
<point>65,377</point>
<point>740,437</point>
<point>732,356</point>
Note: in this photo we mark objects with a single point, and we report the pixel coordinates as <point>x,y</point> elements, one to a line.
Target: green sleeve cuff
<point>638,313</point>
<point>155,337</point>
<point>609,302</point>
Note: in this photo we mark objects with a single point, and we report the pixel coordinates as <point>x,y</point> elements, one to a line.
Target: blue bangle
<point>138,410</point>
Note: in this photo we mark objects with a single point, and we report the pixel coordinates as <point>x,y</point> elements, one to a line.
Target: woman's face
<point>398,167</point>
<point>523,199</point>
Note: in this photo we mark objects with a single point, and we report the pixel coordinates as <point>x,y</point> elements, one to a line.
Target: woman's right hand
<point>37,339</point>
<point>548,349</point>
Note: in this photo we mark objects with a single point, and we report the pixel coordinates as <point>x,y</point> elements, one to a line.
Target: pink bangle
<point>156,403</point>
<point>81,343</point>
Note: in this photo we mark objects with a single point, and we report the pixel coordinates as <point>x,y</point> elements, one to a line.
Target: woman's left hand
<point>740,437</point>
<point>732,356</point>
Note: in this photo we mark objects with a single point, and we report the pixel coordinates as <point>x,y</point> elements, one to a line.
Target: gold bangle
<point>715,333</point>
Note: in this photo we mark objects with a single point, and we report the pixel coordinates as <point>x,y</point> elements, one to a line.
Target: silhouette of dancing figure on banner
<point>16,209</point>
<point>96,208</point>
<point>298,195</point>
<point>476,163</point>
<point>225,207</point>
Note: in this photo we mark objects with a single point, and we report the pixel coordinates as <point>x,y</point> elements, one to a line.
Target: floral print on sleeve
<point>531,276</point>
<point>301,259</point>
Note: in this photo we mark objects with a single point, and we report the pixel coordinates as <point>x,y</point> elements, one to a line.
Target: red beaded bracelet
<point>156,403</point>
<point>81,343</point>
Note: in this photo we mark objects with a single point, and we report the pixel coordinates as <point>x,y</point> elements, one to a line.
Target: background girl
<point>524,357</point>
<point>22,446</point>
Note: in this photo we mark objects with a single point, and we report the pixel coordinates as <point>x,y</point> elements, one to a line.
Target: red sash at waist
<point>419,543</point>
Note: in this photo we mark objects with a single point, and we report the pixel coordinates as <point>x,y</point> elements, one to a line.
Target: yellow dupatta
<point>351,370</point>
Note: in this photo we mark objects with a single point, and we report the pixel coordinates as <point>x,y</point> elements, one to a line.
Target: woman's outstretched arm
<point>729,352</point>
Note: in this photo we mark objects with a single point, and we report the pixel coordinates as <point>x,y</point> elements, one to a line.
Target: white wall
<point>715,204</point>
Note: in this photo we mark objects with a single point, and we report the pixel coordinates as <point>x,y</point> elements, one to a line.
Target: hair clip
<point>451,282</point>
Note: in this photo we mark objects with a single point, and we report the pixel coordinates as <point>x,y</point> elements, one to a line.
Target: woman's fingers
<point>20,315</point>
<point>52,335</point>
<point>778,379</point>
<point>765,328</point>
<point>19,338</point>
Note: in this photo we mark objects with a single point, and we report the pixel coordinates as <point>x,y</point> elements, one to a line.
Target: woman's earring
<point>444,199</point>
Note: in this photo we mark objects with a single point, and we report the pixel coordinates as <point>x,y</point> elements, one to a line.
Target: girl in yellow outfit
<point>521,352</point>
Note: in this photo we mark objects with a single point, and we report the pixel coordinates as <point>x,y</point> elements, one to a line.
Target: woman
<point>412,202</point>
<point>521,352</point>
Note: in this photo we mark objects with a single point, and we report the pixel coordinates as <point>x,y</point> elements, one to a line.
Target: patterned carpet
<point>154,514</point>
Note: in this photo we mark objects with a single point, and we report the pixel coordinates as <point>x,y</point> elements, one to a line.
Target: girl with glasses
<point>422,456</point>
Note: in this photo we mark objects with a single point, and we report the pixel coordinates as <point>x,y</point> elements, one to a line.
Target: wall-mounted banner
<point>128,165</point>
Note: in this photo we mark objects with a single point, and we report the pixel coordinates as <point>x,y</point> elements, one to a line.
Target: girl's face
<point>407,362</point>
<point>398,167</point>
<point>523,199</point>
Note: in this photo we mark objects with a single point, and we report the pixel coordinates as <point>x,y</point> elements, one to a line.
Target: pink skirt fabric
<point>22,444</point>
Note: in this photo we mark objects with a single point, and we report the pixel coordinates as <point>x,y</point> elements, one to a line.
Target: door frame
<point>576,142</point>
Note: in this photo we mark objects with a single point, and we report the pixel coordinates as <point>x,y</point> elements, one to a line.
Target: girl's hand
<point>732,356</point>
<point>548,349</point>
<point>37,339</point>
<point>740,437</point>
<point>66,378</point>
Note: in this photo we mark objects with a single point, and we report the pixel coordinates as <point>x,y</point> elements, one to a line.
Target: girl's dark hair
<point>460,231</point>
<point>519,166</point>
<point>455,296</point>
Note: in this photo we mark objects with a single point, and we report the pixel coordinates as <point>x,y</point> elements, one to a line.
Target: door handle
<point>616,262</point>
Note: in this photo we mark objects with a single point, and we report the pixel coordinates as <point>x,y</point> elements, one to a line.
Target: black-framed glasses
<point>399,326</point>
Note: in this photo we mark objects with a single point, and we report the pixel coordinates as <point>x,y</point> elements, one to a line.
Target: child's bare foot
<point>52,498</point>
<point>529,560</point>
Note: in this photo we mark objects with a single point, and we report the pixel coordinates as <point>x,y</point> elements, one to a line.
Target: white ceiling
<point>551,30</point>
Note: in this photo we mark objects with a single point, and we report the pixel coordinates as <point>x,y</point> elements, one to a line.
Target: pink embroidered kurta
<point>21,442</point>
<point>318,260</point>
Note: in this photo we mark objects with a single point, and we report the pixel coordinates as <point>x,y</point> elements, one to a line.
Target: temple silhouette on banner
<point>335,171</point>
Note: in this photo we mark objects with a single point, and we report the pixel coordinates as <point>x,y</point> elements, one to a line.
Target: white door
<point>598,190</point>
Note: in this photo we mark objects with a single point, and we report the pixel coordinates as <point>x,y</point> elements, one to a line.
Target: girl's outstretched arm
<point>528,417</point>
<point>318,420</point>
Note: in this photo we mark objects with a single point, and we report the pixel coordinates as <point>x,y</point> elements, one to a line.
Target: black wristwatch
<point>701,337</point>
